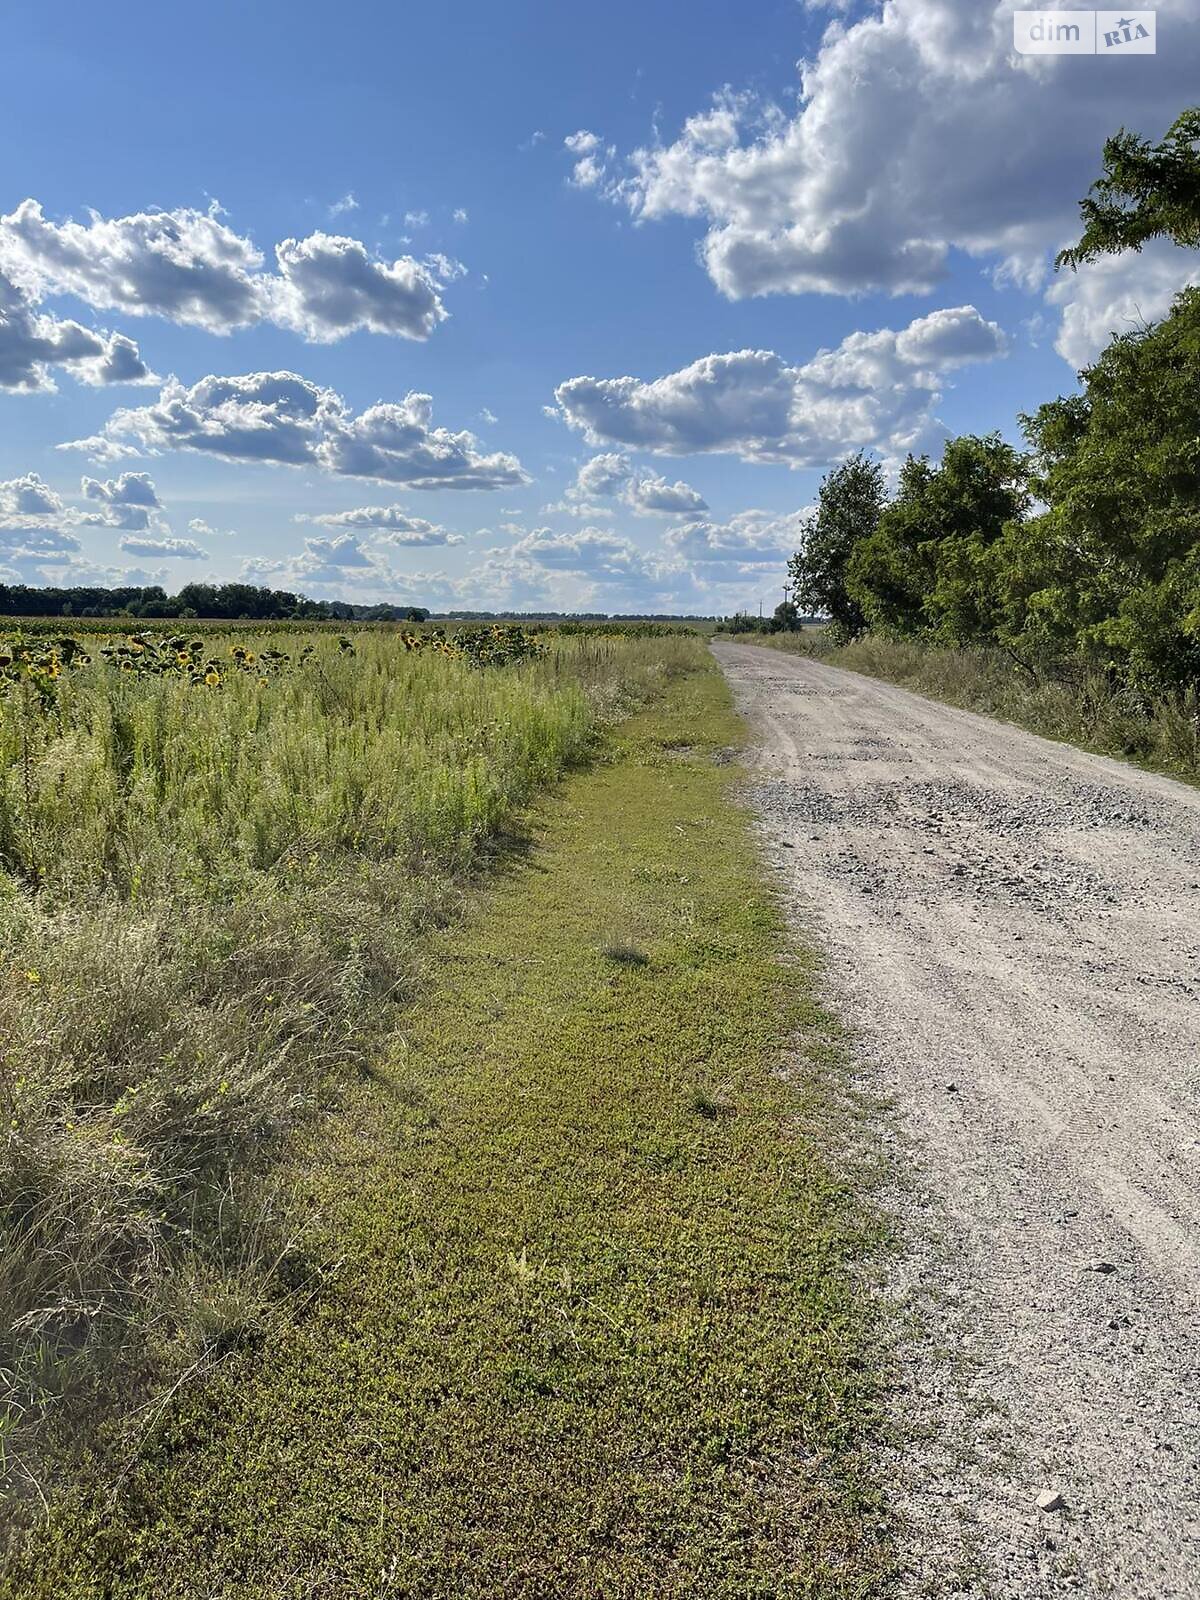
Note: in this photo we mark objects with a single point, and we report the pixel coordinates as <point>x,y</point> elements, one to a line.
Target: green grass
<point>592,1324</point>
<point>211,909</point>
<point>1071,703</point>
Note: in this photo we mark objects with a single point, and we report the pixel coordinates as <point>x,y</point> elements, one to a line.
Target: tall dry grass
<point>210,911</point>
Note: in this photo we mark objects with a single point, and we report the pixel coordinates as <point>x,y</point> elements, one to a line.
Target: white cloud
<point>875,390</point>
<point>918,131</point>
<point>125,502</point>
<point>329,287</point>
<point>32,342</point>
<point>613,476</point>
<point>28,497</point>
<point>191,267</point>
<point>648,492</point>
<point>395,443</point>
<point>343,552</point>
<point>460,214</point>
<point>344,565</point>
<point>34,525</point>
<point>99,448</point>
<point>1118,294</point>
<point>281,418</point>
<point>201,529</point>
<point>751,539</point>
<point>391,524</point>
<point>591,157</point>
<point>347,203</point>
<point>592,552</point>
<point>137,544</point>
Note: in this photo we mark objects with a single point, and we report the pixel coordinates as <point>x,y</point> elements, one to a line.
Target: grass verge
<point>1077,706</point>
<point>594,1327</point>
<point>211,897</point>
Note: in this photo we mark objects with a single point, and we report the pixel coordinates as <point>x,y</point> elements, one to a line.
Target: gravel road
<point>1014,927</point>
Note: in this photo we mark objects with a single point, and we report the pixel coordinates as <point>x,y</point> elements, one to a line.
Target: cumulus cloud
<point>875,390</point>
<point>343,552</point>
<point>336,566</point>
<point>918,131</point>
<point>172,549</point>
<point>649,492</point>
<point>125,502</point>
<point>35,526</point>
<point>330,286</point>
<point>591,157</point>
<point>593,552</point>
<point>28,497</point>
<point>391,524</point>
<point>613,476</point>
<point>1118,294</point>
<point>32,342</point>
<point>281,418</point>
<point>190,267</point>
<point>750,539</point>
<point>700,566</point>
<point>396,443</point>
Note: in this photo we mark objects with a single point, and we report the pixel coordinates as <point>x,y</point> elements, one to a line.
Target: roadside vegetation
<point>218,855</point>
<point>1059,585</point>
<point>591,1320</point>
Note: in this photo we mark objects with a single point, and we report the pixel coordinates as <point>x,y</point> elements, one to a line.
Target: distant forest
<point>244,602</point>
<point>231,601</point>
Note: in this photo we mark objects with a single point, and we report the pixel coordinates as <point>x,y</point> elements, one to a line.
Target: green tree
<point>929,565</point>
<point>849,502</point>
<point>1148,191</point>
<point>1111,570</point>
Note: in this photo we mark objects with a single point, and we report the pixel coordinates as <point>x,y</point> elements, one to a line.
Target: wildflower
<point>212,677</point>
<point>33,976</point>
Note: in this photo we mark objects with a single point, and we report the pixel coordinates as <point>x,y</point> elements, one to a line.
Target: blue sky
<point>561,225</point>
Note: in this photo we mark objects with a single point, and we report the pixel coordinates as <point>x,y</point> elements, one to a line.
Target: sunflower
<point>212,677</point>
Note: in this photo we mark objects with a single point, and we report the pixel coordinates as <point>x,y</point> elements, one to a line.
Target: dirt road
<point>1014,925</point>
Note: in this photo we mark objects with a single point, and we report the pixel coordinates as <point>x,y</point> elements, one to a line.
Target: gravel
<point>1013,926</point>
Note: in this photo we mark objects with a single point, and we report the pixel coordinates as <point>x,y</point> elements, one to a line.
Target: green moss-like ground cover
<point>595,1328</point>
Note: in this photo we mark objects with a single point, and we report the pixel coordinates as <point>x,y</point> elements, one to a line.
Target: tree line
<point>1085,545</point>
<point>231,601</point>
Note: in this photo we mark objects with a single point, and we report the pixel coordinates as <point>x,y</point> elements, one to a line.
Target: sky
<point>534,306</point>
